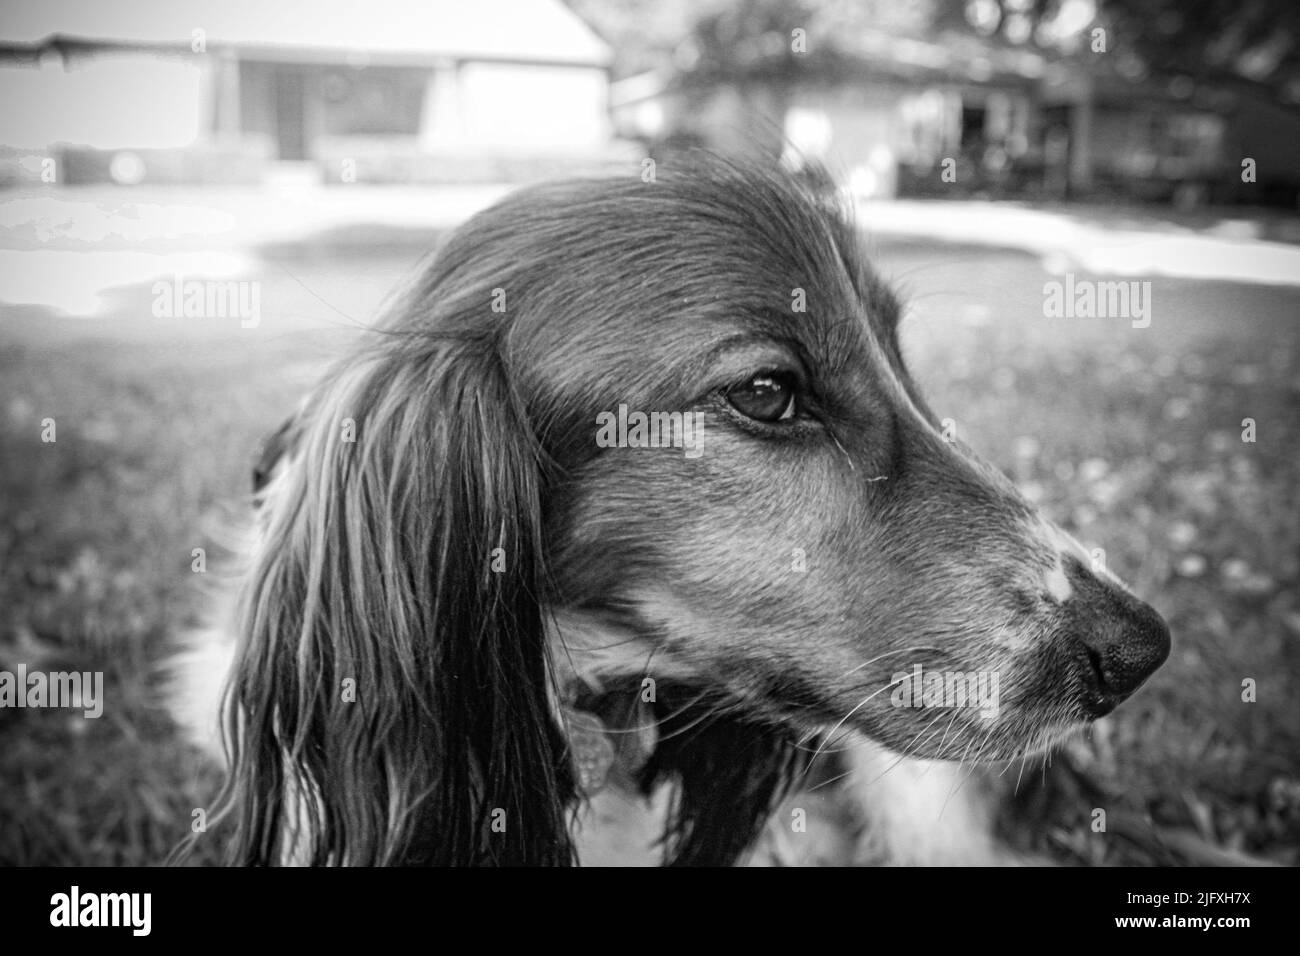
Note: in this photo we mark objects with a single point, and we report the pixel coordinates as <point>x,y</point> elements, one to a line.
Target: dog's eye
<point>767,397</point>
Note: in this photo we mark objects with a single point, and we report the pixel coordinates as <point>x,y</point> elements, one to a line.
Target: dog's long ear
<point>391,699</point>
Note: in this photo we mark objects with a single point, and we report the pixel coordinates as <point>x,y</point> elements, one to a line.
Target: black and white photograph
<point>637,433</point>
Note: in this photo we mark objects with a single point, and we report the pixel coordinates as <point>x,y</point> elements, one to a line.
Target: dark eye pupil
<point>768,397</point>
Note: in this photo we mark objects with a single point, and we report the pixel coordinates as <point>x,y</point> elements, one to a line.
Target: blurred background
<point>307,156</point>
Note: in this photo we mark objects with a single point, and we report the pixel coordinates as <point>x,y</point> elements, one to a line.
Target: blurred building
<point>1120,139</point>
<point>386,90</point>
<point>888,114</point>
<point>882,120</point>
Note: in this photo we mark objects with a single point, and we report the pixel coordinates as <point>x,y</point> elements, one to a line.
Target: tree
<point>1226,46</point>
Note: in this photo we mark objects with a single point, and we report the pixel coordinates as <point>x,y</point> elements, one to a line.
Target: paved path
<point>63,247</point>
<point>1101,242</point>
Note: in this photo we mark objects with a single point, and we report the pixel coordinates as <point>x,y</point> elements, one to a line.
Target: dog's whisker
<point>946,731</point>
<point>956,777</point>
<point>1023,758</point>
<point>904,754</point>
<point>862,703</point>
<point>878,657</point>
<point>835,779</point>
<point>848,457</point>
<point>928,736</point>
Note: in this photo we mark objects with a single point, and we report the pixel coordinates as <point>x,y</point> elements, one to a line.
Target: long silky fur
<point>730,775</point>
<point>377,568</point>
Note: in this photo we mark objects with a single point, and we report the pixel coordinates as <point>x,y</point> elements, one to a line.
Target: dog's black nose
<point>1124,640</point>
<point>1126,650</point>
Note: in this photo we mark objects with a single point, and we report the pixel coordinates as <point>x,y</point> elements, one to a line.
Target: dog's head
<point>673,414</point>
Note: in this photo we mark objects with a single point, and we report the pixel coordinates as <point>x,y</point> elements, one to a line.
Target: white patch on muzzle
<point>1063,544</point>
<point>1058,583</point>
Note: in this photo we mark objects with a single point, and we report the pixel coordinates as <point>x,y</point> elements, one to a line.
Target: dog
<point>626,523</point>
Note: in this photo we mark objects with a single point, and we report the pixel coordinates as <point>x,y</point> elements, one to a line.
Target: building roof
<point>404,30</point>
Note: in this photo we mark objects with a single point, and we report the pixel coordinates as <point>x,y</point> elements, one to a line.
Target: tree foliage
<point>1237,46</point>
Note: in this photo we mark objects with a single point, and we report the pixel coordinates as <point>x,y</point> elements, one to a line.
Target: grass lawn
<point>1130,436</point>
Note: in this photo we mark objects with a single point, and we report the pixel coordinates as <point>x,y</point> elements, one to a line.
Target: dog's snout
<point>1124,641</point>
